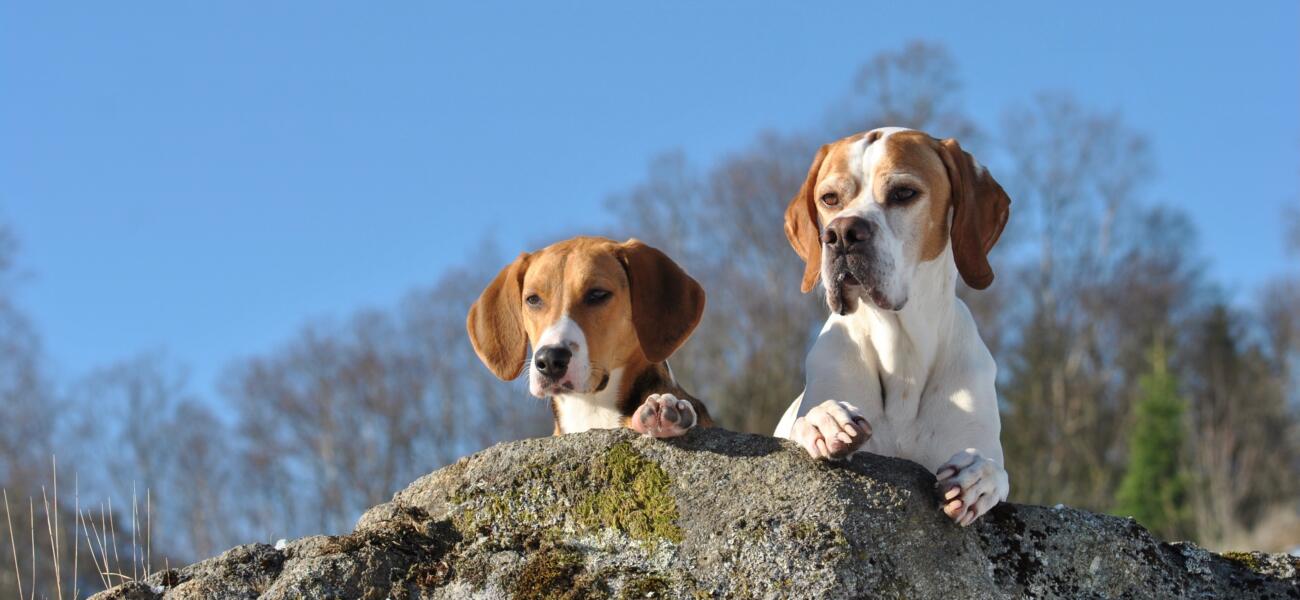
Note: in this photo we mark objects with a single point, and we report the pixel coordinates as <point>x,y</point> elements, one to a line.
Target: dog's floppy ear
<point>979,212</point>
<point>801,224</point>
<point>495,322</point>
<point>666,302</point>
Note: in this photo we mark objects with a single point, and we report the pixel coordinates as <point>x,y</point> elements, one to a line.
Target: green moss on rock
<point>551,574</point>
<point>1246,559</point>
<point>617,489</point>
<point>630,494</point>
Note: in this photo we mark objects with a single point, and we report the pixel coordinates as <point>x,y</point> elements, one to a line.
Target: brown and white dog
<point>602,319</point>
<point>887,219</point>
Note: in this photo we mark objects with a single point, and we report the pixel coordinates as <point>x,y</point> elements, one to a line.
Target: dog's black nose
<point>552,361</point>
<point>847,233</point>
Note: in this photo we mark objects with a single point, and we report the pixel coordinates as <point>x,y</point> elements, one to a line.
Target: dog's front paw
<point>969,485</point>
<point>831,430</point>
<point>663,416</point>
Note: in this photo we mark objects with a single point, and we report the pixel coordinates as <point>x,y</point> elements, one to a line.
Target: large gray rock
<point>712,515</point>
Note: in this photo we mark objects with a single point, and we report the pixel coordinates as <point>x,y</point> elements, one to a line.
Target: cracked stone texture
<point>715,514</point>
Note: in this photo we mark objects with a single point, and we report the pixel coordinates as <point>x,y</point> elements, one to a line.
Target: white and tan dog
<point>602,319</point>
<point>887,219</point>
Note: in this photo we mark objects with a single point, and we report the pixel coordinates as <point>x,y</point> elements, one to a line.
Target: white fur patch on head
<point>891,236</point>
<point>881,133</point>
<point>564,332</point>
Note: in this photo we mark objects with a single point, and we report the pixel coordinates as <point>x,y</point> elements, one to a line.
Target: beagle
<point>602,318</point>
<point>887,220</point>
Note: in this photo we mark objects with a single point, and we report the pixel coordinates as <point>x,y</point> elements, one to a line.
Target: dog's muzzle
<point>848,244</point>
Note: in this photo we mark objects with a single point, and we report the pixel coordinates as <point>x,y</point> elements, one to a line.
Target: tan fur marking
<point>915,153</point>
<point>836,176</point>
<point>804,213</point>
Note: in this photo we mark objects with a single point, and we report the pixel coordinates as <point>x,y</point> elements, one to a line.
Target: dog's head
<point>877,204</point>
<point>587,306</point>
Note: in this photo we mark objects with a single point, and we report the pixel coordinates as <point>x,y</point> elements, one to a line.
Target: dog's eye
<point>831,199</point>
<point>901,195</point>
<point>597,296</point>
<point>533,300</point>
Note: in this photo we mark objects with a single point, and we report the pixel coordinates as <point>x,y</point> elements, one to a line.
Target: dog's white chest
<point>580,413</point>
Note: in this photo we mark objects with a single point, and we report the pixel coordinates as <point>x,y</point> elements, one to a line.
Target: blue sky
<point>202,178</point>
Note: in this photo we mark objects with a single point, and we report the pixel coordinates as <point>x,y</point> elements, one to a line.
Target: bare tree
<point>1276,306</point>
<point>31,411</point>
<point>917,87</point>
<point>1110,275</point>
<point>127,409</point>
<point>200,516</point>
<point>32,420</point>
<point>1241,424</point>
<point>344,415</point>
<point>27,401</point>
<point>147,442</point>
<point>1102,276</point>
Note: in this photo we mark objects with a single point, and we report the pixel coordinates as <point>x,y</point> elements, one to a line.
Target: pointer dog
<point>602,319</point>
<point>886,220</point>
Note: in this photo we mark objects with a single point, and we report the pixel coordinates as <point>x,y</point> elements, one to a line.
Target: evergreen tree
<point>1155,486</point>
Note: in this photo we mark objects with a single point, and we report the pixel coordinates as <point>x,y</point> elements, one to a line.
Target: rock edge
<point>715,514</point>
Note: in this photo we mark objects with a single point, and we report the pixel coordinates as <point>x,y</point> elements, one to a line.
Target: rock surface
<point>715,514</point>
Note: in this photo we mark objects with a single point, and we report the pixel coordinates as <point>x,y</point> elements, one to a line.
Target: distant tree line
<point>1117,355</point>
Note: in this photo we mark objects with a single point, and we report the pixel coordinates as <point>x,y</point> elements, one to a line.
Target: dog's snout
<point>847,233</point>
<point>553,361</point>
